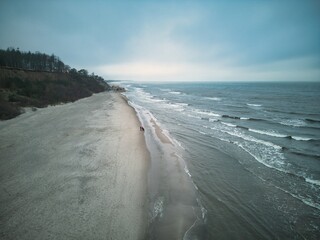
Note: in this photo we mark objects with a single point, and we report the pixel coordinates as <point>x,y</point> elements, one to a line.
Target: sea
<point>248,155</point>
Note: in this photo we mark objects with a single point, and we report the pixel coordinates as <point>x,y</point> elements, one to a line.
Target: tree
<point>83,72</point>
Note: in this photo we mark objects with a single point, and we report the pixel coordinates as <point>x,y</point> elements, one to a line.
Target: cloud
<point>171,40</point>
<point>284,70</point>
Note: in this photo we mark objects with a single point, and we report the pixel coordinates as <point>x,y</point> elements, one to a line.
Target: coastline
<point>250,184</point>
<point>77,170</point>
<point>175,212</point>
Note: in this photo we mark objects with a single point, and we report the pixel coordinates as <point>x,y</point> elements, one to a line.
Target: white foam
<point>301,138</point>
<point>229,124</point>
<point>203,210</point>
<point>269,133</point>
<point>208,113</point>
<point>244,118</point>
<point>153,99</point>
<point>270,162</point>
<point>214,98</point>
<point>213,120</point>
<point>158,207</point>
<point>294,122</point>
<point>175,92</point>
<point>187,171</point>
<point>252,139</point>
<point>254,105</point>
<point>192,116</point>
<point>182,104</point>
<point>306,201</point>
<point>175,106</point>
<point>315,182</point>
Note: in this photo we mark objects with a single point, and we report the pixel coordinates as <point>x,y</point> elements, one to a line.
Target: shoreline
<point>77,170</point>
<point>174,208</point>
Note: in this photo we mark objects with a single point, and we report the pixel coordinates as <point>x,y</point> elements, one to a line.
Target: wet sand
<point>174,210</point>
<point>74,171</point>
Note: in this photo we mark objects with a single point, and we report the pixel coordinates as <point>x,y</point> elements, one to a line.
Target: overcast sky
<point>172,40</point>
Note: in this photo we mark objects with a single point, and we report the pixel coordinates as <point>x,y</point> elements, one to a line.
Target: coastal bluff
<point>29,88</point>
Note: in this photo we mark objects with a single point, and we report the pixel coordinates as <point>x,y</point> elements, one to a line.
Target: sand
<point>74,171</point>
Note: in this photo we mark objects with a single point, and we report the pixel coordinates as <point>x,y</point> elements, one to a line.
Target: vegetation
<point>38,80</point>
<point>14,58</point>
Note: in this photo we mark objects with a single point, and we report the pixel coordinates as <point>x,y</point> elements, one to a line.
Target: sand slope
<point>75,171</point>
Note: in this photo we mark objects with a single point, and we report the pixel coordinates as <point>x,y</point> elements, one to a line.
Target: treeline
<point>38,80</point>
<point>14,58</point>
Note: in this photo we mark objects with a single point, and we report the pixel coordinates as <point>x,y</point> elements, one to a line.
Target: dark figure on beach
<point>141,128</point>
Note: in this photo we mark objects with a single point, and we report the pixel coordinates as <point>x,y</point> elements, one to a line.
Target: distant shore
<point>77,170</point>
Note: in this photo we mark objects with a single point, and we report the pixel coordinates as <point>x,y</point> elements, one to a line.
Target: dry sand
<point>74,171</point>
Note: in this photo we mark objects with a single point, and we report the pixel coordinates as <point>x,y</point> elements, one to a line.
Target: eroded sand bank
<point>75,171</point>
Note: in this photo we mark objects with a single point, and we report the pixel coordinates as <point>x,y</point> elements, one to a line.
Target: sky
<point>243,40</point>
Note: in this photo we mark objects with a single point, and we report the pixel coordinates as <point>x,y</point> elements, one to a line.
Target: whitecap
<point>214,98</point>
<point>229,124</point>
<point>269,133</point>
<point>316,182</point>
<point>294,122</point>
<point>213,120</point>
<point>175,92</point>
<point>175,106</point>
<point>252,139</point>
<point>301,138</point>
<point>208,113</point>
<point>254,105</point>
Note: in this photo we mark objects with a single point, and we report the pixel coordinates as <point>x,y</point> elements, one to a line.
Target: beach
<point>74,171</point>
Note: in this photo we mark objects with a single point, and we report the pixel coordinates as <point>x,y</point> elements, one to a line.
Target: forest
<point>38,80</point>
<point>14,58</point>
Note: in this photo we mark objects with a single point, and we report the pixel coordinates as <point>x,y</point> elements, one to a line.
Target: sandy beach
<point>74,171</point>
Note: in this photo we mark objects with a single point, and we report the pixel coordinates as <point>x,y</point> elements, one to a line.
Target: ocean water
<point>250,150</point>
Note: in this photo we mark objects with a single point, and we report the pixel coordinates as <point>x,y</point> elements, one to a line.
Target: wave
<point>306,201</point>
<point>229,124</point>
<point>252,139</point>
<point>302,154</point>
<point>269,133</point>
<point>147,96</point>
<point>312,120</point>
<point>214,98</point>
<point>242,127</point>
<point>153,99</point>
<point>208,113</point>
<point>187,171</point>
<point>294,122</point>
<point>312,181</point>
<point>183,104</point>
<point>175,106</point>
<point>292,113</point>
<point>175,92</point>
<point>254,105</point>
<point>232,117</point>
<point>165,89</point>
<point>192,116</point>
<point>253,119</point>
<point>301,138</point>
<point>279,135</point>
